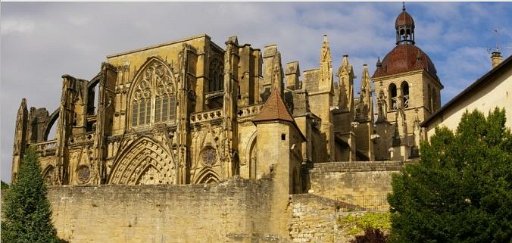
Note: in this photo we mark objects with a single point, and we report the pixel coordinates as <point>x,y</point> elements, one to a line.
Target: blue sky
<point>42,41</point>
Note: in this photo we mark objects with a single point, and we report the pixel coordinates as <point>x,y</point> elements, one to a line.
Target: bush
<point>461,190</point>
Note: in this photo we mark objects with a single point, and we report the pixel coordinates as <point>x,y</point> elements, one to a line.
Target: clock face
<point>209,156</point>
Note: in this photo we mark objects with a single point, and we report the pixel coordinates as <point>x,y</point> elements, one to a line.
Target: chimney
<point>496,58</point>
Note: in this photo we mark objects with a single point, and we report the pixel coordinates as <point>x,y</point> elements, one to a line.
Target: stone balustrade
<point>249,111</point>
<point>46,148</point>
<point>82,138</point>
<point>206,116</point>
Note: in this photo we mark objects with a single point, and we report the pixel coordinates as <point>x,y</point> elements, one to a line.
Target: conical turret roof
<point>274,109</point>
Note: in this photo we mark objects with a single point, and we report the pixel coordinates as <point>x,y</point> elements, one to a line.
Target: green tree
<point>4,185</point>
<point>461,190</point>
<point>26,209</point>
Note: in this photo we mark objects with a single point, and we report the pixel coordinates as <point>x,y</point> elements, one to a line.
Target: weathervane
<point>497,48</point>
<point>497,40</point>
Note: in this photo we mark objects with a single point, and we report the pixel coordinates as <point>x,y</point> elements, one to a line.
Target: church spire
<point>365,86</point>
<point>346,83</point>
<point>365,105</point>
<point>326,80</point>
<point>325,53</point>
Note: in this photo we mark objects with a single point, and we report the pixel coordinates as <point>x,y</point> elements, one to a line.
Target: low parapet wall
<point>357,166</point>
<point>233,211</point>
<point>362,183</point>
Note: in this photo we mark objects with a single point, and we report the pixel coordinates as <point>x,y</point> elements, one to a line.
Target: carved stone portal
<point>144,162</point>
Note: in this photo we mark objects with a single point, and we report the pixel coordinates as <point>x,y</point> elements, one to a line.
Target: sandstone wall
<point>365,184</point>
<point>233,211</point>
<point>237,210</point>
<point>313,219</point>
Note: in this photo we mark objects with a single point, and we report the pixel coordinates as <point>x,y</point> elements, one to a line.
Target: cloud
<point>16,26</point>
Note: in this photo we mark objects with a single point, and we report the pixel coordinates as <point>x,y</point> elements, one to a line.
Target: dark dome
<point>404,19</point>
<point>405,58</point>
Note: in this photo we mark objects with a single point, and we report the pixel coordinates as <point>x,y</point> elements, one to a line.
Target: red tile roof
<point>405,58</point>
<point>274,109</point>
<point>404,18</point>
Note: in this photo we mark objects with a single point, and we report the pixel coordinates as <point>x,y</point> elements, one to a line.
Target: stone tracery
<point>144,162</point>
<point>154,95</point>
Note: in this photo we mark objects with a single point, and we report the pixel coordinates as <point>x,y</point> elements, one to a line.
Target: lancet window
<point>405,94</point>
<point>216,79</point>
<point>393,96</point>
<point>154,97</point>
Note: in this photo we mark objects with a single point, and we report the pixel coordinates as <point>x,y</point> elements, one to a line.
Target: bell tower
<point>407,89</point>
<point>404,26</point>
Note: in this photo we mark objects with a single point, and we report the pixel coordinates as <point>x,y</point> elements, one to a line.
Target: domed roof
<point>404,19</point>
<point>405,58</point>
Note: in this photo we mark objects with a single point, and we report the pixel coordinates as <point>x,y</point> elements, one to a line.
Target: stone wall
<point>234,211</point>
<point>237,210</point>
<point>365,184</point>
<point>313,219</point>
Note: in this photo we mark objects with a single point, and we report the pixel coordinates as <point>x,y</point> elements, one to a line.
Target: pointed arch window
<point>165,103</point>
<point>392,96</point>
<point>253,160</point>
<point>154,96</point>
<point>405,94</point>
<point>216,79</point>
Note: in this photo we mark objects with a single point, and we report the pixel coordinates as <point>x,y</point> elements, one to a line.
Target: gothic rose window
<point>84,173</point>
<point>154,96</point>
<point>209,156</point>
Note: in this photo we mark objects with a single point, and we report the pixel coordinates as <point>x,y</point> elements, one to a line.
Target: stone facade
<point>183,113</point>
<point>189,113</point>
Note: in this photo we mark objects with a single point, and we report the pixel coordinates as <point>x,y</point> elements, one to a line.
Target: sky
<point>42,41</point>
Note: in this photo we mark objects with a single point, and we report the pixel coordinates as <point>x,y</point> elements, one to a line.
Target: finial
<point>497,40</point>
<point>403,6</point>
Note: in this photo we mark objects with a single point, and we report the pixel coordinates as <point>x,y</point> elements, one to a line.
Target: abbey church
<point>196,141</point>
<point>194,111</point>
